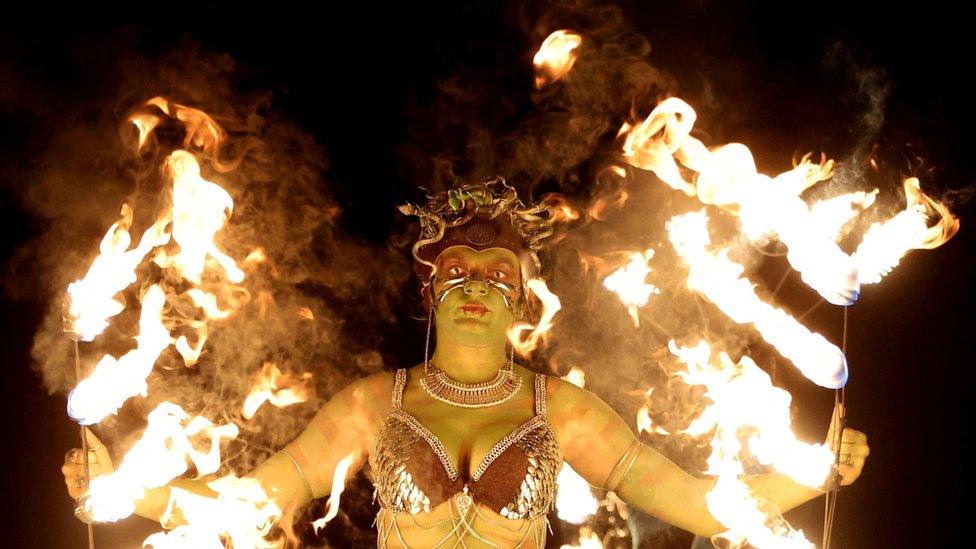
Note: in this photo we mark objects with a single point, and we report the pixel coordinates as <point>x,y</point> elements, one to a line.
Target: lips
<point>474,307</point>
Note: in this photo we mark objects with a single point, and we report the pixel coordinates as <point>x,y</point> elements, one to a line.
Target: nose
<point>475,288</point>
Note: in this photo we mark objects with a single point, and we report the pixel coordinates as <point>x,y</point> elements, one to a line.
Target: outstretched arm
<point>598,444</point>
<point>304,468</point>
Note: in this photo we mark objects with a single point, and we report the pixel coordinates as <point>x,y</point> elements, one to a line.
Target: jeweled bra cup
<point>530,451</point>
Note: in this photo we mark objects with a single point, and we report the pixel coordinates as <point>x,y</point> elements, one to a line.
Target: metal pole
<point>84,445</point>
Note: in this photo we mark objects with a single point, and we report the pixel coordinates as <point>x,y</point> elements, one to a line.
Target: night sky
<point>353,74</point>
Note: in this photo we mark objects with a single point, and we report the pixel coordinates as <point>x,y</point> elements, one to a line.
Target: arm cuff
<point>623,465</point>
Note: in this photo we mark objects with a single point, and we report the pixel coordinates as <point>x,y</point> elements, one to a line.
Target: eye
<point>454,270</point>
<point>499,274</point>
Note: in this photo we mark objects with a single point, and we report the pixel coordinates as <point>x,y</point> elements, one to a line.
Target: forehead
<point>465,253</point>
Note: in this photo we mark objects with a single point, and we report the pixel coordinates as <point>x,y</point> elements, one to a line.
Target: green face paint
<point>475,293</point>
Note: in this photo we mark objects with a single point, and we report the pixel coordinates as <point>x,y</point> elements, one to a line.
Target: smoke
<point>74,186</point>
<point>481,120</point>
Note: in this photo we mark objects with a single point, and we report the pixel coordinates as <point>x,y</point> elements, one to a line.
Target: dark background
<point>345,73</point>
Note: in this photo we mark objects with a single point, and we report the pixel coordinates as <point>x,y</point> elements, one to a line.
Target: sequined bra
<point>516,478</point>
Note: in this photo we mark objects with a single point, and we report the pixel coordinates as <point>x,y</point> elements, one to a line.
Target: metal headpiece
<point>481,216</point>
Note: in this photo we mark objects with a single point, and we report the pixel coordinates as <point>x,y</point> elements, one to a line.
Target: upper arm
<point>341,429</point>
<point>591,434</point>
<point>594,438</point>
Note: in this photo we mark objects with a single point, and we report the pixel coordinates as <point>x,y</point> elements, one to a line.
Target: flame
<point>555,57</point>
<point>200,209</point>
<point>191,353</point>
<point>338,485</point>
<point>277,388</point>
<point>560,208</point>
<point>256,256</point>
<point>628,282</point>
<point>574,499</point>
<point>306,313</point>
<point>746,406</point>
<point>116,380</point>
<point>241,515</point>
<point>157,458</point>
<point>644,422</point>
<point>772,207</point>
<point>576,376</point>
<point>536,334</point>
<point>829,216</point>
<point>93,298</point>
<point>886,243</point>
<point>201,130</point>
<point>719,279</point>
<point>653,144</point>
<point>588,539</point>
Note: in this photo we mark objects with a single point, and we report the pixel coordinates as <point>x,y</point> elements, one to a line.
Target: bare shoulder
<point>372,391</point>
<point>563,395</point>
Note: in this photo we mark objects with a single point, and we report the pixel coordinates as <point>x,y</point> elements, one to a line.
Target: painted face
<point>476,291</point>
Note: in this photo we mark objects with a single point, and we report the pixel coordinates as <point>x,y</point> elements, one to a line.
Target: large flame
<point>240,516</point>
<point>886,243</point>
<point>241,513</point>
<point>116,380</point>
<point>93,298</point>
<point>719,279</point>
<point>574,499</point>
<point>771,207</point>
<point>555,57</point>
<point>200,209</point>
<point>157,458</point>
<point>745,406</point>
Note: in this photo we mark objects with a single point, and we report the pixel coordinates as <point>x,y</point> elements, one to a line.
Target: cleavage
<point>467,455</point>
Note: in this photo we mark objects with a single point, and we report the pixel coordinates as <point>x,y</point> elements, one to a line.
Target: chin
<point>473,323</point>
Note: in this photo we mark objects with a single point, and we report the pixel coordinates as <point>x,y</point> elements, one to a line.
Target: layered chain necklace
<point>469,395</point>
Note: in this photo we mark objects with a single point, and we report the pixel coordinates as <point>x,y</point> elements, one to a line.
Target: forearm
<point>660,488</point>
<point>153,505</point>
<point>781,490</point>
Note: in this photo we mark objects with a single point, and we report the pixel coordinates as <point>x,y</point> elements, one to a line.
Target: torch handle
<point>84,447</point>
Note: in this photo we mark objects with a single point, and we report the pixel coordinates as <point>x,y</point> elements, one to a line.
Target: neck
<point>469,362</point>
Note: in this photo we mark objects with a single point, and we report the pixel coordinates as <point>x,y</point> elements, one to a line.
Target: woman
<point>465,447</point>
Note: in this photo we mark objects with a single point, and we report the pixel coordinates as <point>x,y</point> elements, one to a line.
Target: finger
<point>100,450</point>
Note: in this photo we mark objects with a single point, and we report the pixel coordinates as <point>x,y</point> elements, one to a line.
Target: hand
<point>99,463</point>
<point>854,448</point>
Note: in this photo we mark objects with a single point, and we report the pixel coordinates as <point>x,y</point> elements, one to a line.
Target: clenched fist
<point>854,449</point>
<point>99,463</point>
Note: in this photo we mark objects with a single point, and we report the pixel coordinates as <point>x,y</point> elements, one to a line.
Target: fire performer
<point>464,448</point>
